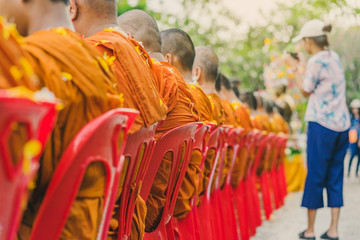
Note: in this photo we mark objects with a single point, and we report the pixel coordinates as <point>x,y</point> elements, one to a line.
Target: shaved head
<point>208,61</point>
<point>143,28</point>
<point>102,6</point>
<point>178,43</point>
<point>64,1</point>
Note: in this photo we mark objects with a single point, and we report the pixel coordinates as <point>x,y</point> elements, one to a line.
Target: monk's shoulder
<point>15,69</point>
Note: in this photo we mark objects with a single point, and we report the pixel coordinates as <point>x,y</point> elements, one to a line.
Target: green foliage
<point>124,5</point>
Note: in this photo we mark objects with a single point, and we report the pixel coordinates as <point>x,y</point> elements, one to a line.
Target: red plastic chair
<point>235,140</point>
<point>260,140</point>
<point>172,141</point>
<point>216,209</point>
<point>39,119</point>
<point>277,172</point>
<point>240,195</point>
<point>187,228</point>
<point>97,141</point>
<point>204,209</point>
<point>266,184</point>
<point>144,137</point>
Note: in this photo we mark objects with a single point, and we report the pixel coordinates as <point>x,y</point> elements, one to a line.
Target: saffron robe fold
<point>135,79</point>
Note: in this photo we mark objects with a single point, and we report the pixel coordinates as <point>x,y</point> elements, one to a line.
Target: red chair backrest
<point>216,142</point>
<point>201,140</point>
<point>261,143</point>
<point>96,142</point>
<point>39,119</point>
<point>236,140</point>
<point>172,141</point>
<point>135,173</point>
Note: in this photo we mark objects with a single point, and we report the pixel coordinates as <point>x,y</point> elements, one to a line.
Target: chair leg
<point>228,213</point>
<point>159,234</point>
<point>184,228</point>
<point>257,209</point>
<point>251,206</point>
<point>204,219</point>
<point>242,210</point>
<point>265,191</point>
<point>275,189</point>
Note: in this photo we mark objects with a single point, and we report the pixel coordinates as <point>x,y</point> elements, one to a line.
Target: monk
<point>242,115</point>
<point>84,82</point>
<point>179,51</point>
<point>206,71</point>
<point>143,28</point>
<point>230,120</point>
<point>97,21</point>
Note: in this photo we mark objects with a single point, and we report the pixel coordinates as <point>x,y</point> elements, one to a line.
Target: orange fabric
<point>180,100</point>
<point>15,69</point>
<point>229,116</point>
<point>135,79</point>
<point>242,115</point>
<point>218,112</point>
<point>202,103</point>
<point>262,122</point>
<point>279,125</point>
<point>77,75</point>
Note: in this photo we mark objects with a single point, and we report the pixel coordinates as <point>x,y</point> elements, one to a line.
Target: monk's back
<point>75,73</point>
<point>135,80</point>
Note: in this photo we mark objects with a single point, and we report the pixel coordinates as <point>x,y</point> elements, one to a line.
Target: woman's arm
<point>299,82</point>
<point>298,70</point>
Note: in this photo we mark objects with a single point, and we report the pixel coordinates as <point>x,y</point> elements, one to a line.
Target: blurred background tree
<point>211,23</point>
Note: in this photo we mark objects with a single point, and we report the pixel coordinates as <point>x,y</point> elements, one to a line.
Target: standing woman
<point>354,135</point>
<point>323,81</point>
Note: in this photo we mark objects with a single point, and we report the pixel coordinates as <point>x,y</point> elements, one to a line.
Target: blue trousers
<point>355,151</point>
<point>326,151</point>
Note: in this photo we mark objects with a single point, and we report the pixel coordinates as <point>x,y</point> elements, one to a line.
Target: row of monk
<point>93,61</point>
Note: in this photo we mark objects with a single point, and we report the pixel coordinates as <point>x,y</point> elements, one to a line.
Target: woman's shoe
<point>325,236</point>
<point>302,236</point>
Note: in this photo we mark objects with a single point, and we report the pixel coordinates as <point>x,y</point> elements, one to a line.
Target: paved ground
<point>287,222</point>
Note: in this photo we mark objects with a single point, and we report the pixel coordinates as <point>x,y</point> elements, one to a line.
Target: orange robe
<point>139,90</point>
<point>202,103</point>
<point>135,80</point>
<point>76,74</point>
<point>279,125</point>
<point>15,69</point>
<point>183,112</point>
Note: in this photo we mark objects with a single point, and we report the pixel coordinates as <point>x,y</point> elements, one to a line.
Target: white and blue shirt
<point>325,80</point>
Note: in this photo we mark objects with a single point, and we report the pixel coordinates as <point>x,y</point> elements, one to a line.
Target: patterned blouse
<point>325,80</point>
